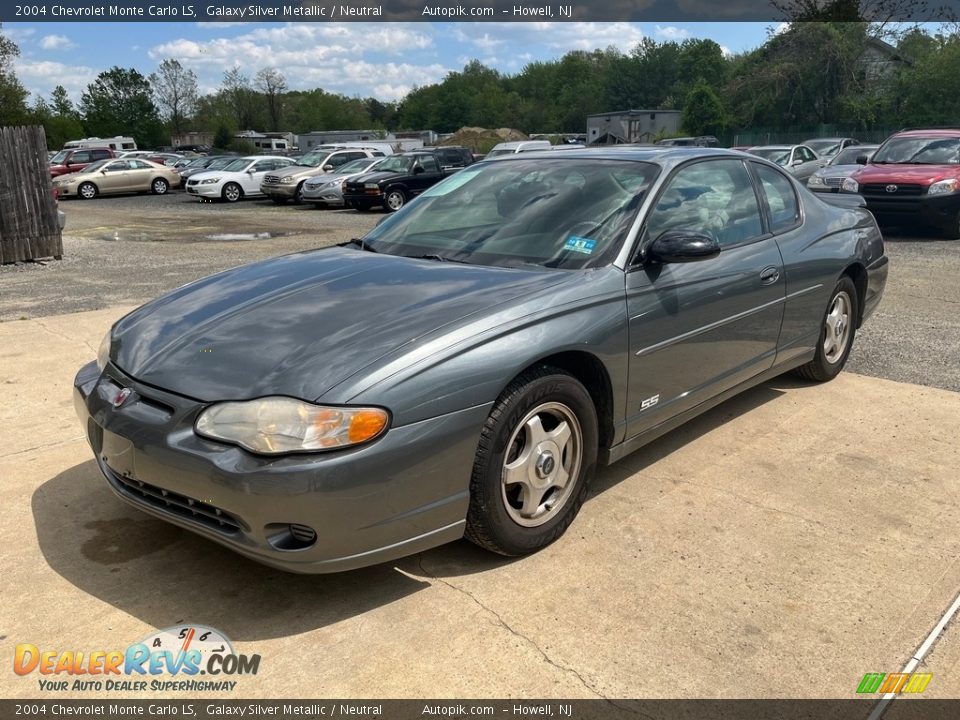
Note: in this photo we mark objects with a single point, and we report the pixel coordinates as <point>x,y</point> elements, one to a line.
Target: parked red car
<point>914,178</point>
<point>75,159</point>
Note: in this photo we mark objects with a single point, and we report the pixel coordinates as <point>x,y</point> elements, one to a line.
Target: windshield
<point>776,155</point>
<point>919,151</point>
<point>354,166</point>
<point>199,162</point>
<point>824,148</point>
<point>235,165</point>
<point>848,156</point>
<point>396,163</point>
<point>314,159</point>
<point>220,163</point>
<point>550,213</point>
<point>93,167</point>
<point>59,157</point>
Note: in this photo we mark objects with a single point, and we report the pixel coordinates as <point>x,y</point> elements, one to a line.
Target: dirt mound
<point>480,140</point>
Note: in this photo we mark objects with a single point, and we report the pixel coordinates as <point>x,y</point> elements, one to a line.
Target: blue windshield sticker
<point>580,244</point>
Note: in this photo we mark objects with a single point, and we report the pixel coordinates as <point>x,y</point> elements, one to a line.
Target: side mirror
<point>250,171</point>
<point>862,159</point>
<point>797,162</point>
<point>683,246</point>
<point>327,168</point>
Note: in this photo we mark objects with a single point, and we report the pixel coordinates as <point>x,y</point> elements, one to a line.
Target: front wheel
<point>232,192</point>
<point>159,186</point>
<point>88,191</point>
<point>394,200</point>
<point>536,455</point>
<point>836,334</point>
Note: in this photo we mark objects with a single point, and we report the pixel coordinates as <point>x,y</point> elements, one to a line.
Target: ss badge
<point>650,402</point>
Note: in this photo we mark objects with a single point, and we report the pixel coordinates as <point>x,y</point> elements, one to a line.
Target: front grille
<point>271,180</point>
<point>191,181</point>
<point>901,190</point>
<point>177,504</point>
<point>833,181</point>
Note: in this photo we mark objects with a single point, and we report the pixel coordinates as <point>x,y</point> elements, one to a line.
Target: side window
<point>805,154</point>
<point>337,159</point>
<point>263,165</point>
<point>377,153</point>
<point>781,198</point>
<point>429,163</point>
<point>83,156</point>
<point>714,197</point>
<point>100,154</point>
<point>118,166</point>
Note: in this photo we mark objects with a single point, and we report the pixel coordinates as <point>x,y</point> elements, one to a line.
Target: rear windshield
<point>919,151</point>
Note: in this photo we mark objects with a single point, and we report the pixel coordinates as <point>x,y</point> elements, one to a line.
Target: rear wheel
<point>159,186</point>
<point>536,455</point>
<point>836,334</point>
<point>232,192</point>
<point>88,191</point>
<point>395,199</point>
<point>298,196</point>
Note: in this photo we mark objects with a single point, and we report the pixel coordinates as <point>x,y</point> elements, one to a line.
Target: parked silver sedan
<point>845,163</point>
<point>327,190</point>
<point>799,160</point>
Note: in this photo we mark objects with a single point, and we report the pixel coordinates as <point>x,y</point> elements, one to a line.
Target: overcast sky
<point>383,60</point>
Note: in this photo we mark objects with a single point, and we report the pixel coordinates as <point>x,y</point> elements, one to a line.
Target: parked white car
<point>518,146</point>
<point>239,179</point>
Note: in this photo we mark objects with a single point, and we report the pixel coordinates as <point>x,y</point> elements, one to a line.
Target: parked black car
<point>396,180</point>
<point>454,156</point>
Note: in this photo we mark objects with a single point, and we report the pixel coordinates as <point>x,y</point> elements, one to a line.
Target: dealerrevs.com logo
<point>189,658</point>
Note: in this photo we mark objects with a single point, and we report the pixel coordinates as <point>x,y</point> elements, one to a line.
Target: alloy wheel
<point>837,328</point>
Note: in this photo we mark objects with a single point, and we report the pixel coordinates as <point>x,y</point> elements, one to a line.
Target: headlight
<point>815,180</point>
<point>210,181</point>
<point>850,185</point>
<point>289,180</point>
<point>103,354</point>
<point>371,186</point>
<point>944,186</point>
<point>276,425</point>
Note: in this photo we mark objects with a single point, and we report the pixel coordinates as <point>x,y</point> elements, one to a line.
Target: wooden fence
<point>28,213</point>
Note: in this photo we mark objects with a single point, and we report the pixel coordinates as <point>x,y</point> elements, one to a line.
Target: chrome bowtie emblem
<point>121,397</point>
<point>891,188</point>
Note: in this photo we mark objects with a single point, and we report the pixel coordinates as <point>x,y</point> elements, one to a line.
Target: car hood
<point>204,174</point>
<point>915,174</point>
<point>838,170</point>
<point>296,170</point>
<point>67,178</point>
<point>377,176</point>
<point>300,324</point>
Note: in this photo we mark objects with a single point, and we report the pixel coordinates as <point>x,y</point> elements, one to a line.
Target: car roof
<point>661,154</point>
<point>826,139</point>
<point>774,147</point>
<point>933,132</point>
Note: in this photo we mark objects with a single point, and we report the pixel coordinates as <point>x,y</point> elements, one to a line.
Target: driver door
<point>699,328</point>
<point>254,176</point>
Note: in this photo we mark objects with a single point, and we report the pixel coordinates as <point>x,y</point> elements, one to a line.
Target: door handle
<point>769,275</point>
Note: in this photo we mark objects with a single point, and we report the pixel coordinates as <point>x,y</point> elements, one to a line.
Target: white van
<point>119,143</point>
<point>518,146</point>
<point>384,146</point>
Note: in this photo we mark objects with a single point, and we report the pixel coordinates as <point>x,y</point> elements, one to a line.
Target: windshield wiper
<point>360,243</point>
<point>438,258</point>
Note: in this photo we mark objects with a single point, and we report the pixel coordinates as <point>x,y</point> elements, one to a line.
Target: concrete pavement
<point>782,545</point>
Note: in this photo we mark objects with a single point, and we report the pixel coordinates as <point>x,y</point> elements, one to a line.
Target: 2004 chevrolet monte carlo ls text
<point>465,367</point>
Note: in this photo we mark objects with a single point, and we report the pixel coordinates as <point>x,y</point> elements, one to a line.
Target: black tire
<point>87,191</point>
<point>279,200</point>
<point>159,186</point>
<point>232,192</point>
<point>298,194</point>
<point>489,521</point>
<point>394,199</point>
<point>823,367</point>
<point>362,206</point>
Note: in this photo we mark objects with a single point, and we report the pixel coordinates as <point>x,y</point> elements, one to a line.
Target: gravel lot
<point>125,250</point>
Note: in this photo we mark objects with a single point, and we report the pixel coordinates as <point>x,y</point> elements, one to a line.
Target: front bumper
<point>208,191</point>
<point>323,195</point>
<point>932,210</point>
<point>404,493</point>
<point>366,196</point>
<point>280,191</point>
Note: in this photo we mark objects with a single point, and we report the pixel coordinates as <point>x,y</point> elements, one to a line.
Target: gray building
<point>631,126</point>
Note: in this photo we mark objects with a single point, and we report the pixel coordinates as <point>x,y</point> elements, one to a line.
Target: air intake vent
<point>303,534</point>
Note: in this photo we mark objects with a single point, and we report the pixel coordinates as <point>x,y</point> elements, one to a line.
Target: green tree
<point>175,90</point>
<point>223,138</point>
<point>703,112</point>
<point>272,85</point>
<point>61,102</point>
<point>119,102</point>
<point>13,96</point>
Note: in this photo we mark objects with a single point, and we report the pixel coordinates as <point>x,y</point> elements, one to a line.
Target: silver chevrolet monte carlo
<point>465,367</point>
